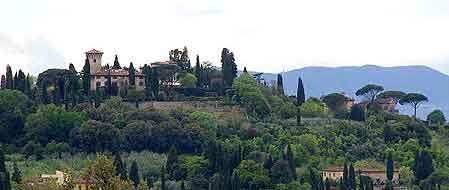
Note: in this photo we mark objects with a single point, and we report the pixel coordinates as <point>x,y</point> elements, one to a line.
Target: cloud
<point>7,45</point>
<point>265,35</point>
<point>33,55</point>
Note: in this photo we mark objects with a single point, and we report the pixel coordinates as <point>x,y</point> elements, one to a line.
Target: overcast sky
<point>268,36</point>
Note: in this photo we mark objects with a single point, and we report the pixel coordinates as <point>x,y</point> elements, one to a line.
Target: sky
<point>265,35</point>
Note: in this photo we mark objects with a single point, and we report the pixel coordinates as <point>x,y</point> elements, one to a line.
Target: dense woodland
<point>279,142</point>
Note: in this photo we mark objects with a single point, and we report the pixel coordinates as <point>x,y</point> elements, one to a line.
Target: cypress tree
<point>116,63</point>
<point>4,175</point>
<point>235,181</point>
<point>345,175</point>
<point>269,163</point>
<point>3,82</point>
<point>244,70</point>
<point>72,68</point>
<point>342,185</point>
<point>21,81</point>
<point>28,85</point>
<point>146,72</point>
<point>280,85</point>
<point>17,174</point>
<point>134,174</point>
<point>198,72</point>
<point>351,177</point>
<point>15,82</point>
<point>9,78</point>
<point>327,184</point>
<point>291,160</point>
<point>229,68</point>
<point>132,74</point>
<point>314,181</point>
<point>300,95</point>
<point>423,166</point>
<point>357,113</point>
<point>172,159</point>
<point>86,77</point>
<point>109,82</point>
<point>300,99</point>
<point>390,166</point>
<point>120,169</point>
<point>154,82</point>
<point>163,173</point>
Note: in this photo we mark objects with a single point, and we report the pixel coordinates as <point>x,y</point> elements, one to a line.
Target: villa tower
<point>94,57</point>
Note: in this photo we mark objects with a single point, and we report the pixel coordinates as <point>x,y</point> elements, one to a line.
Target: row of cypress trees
<point>19,81</point>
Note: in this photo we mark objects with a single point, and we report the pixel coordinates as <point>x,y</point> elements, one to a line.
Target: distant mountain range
<point>319,81</point>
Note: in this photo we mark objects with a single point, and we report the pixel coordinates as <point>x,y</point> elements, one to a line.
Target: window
<point>98,84</point>
<point>98,77</point>
<point>95,60</point>
<point>114,77</point>
<point>140,83</point>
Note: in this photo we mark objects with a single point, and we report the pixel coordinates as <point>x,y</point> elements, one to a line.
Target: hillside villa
<point>378,176</point>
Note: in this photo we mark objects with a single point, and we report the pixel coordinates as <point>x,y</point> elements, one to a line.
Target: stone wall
<point>208,106</point>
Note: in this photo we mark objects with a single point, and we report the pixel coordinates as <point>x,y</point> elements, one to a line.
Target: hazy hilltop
<point>319,81</point>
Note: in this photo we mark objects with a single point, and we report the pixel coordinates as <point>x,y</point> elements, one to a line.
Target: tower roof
<point>94,51</point>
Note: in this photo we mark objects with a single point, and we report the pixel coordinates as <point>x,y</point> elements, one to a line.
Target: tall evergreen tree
<point>108,82</point>
<point>132,74</point>
<point>172,159</point>
<point>351,177</point>
<point>20,81</point>
<point>300,99</point>
<point>327,184</point>
<point>235,181</point>
<point>357,113</point>
<point>147,72</point>
<point>185,60</point>
<point>345,175</point>
<point>4,175</point>
<point>423,166</point>
<point>15,82</point>
<point>120,169</point>
<point>3,82</point>
<point>163,173</point>
<point>86,78</point>
<point>198,72</point>
<point>280,85</point>
<point>341,184</point>
<point>134,174</point>
<point>228,67</point>
<point>291,160</point>
<point>28,83</point>
<point>390,166</point>
<point>17,174</point>
<point>9,78</point>
<point>154,82</point>
<point>300,94</point>
<point>269,163</point>
<point>244,70</point>
<point>116,63</point>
